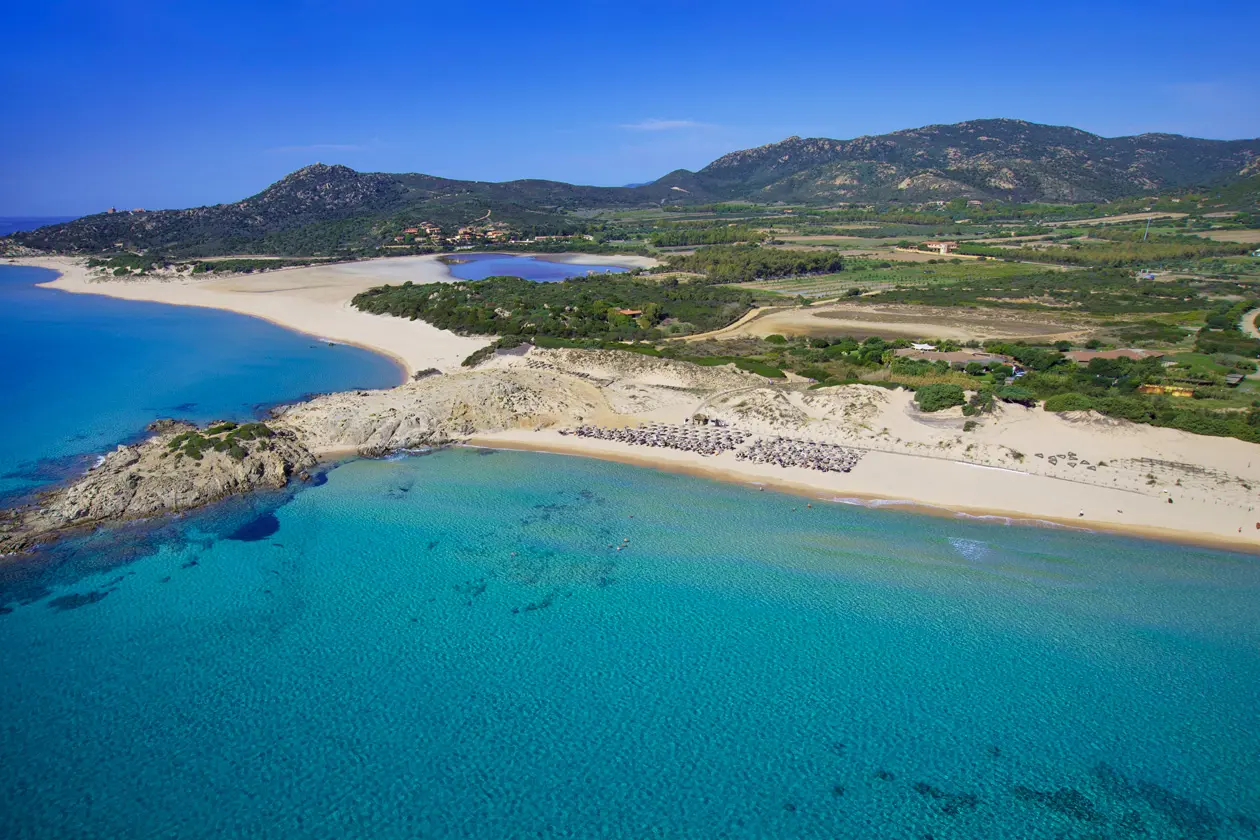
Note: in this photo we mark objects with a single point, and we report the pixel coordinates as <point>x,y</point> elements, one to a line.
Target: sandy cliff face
<point>439,409</point>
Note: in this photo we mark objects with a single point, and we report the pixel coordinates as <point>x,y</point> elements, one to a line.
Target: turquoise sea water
<point>11,224</point>
<point>481,266</point>
<point>452,646</point>
<point>82,373</point>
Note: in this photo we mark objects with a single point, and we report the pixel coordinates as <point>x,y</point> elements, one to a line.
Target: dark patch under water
<point>951,804</point>
<point>256,529</point>
<point>1190,818</point>
<point>76,600</point>
<point>1067,801</point>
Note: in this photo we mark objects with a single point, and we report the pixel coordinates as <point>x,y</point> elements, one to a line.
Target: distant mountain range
<point>323,209</point>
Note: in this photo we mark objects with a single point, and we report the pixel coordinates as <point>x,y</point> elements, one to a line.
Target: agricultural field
<point>876,275</point>
<point>1250,237</point>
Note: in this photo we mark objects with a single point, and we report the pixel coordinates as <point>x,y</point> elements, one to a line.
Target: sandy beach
<point>312,299</point>
<point>1080,470</point>
<point>625,260</point>
<point>937,487</point>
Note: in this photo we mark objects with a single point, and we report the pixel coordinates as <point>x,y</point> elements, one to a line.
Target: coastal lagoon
<point>454,646</point>
<point>540,270</point>
<point>88,372</point>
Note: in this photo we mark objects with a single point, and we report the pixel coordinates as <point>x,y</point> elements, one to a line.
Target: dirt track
<point>891,321</point>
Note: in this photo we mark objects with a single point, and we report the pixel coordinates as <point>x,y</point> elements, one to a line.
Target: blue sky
<point>175,104</point>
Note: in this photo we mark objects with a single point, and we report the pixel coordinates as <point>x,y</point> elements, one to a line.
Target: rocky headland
<point>179,468</point>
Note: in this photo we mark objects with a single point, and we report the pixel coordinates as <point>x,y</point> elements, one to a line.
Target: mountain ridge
<point>324,208</point>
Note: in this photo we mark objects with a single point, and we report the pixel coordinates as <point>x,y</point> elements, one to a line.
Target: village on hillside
<point>479,234</point>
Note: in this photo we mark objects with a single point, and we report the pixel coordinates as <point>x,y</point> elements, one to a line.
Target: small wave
<point>1021,520</point>
<point>973,550</point>
<point>875,503</point>
<point>407,452</point>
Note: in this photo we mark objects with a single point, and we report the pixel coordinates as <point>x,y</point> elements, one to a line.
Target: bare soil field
<point>1128,217</point>
<point>822,239</point>
<point>896,321</point>
<point>1245,236</point>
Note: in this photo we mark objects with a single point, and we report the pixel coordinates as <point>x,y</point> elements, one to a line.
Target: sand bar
<point>313,299</point>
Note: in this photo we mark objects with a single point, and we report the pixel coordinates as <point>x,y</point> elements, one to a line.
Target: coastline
<point>916,463</point>
<point>313,300</point>
<point>944,497</point>
<point>621,260</point>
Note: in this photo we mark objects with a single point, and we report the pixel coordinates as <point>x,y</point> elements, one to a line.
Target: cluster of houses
<point>428,233</point>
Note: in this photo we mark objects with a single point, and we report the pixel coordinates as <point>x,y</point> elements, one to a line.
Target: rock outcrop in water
<point>179,468</point>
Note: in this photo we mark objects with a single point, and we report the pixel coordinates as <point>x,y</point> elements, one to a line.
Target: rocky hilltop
<point>1000,159</point>
<point>322,210</point>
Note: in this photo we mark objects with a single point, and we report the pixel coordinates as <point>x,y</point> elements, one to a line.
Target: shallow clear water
<point>481,266</point>
<point>447,646</point>
<point>83,372</point>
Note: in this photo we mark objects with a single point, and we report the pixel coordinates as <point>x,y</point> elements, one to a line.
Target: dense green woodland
<point>744,263</point>
<point>586,307</point>
<point>705,235</point>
